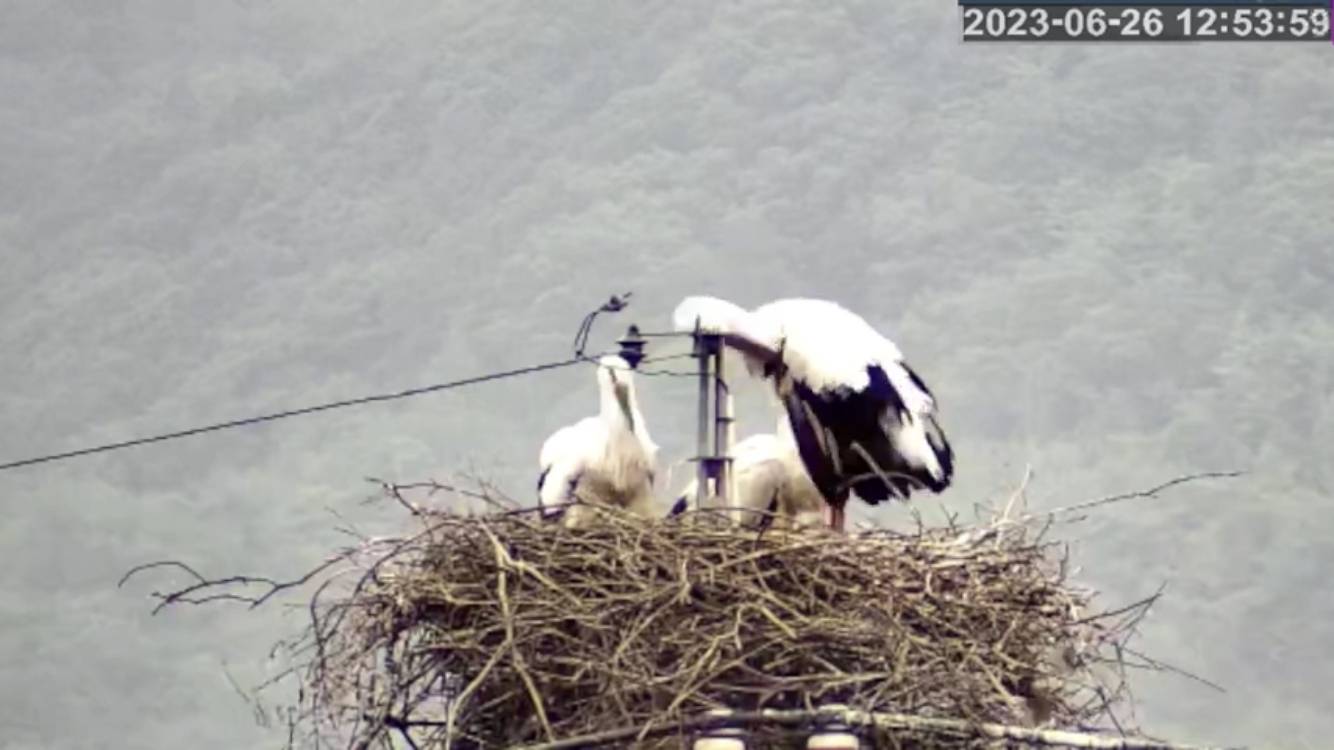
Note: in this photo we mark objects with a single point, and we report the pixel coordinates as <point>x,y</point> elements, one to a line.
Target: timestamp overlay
<point>1138,21</point>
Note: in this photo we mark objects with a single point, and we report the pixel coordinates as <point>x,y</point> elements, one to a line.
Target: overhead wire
<point>615,304</point>
<point>292,413</point>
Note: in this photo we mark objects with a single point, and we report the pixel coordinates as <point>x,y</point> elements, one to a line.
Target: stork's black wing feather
<point>812,445</point>
<point>678,507</point>
<point>843,437</point>
<point>916,379</point>
<point>767,519</point>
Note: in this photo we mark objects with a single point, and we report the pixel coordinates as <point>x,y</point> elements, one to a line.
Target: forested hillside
<point>1111,263</point>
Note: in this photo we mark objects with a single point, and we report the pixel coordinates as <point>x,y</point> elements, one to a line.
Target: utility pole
<point>722,429</point>
<point>714,428</point>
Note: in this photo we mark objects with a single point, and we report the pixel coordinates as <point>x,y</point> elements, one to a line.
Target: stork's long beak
<point>622,391</point>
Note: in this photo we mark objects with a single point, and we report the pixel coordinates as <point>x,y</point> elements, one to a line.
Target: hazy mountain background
<point>1110,262</point>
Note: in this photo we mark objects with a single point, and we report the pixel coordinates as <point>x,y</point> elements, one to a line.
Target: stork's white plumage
<point>608,459</point>
<point>863,421</point>
<point>769,479</point>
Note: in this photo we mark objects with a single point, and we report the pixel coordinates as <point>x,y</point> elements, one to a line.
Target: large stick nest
<point>502,629</point>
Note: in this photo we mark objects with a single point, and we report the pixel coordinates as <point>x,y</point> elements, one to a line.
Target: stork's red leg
<point>836,522</point>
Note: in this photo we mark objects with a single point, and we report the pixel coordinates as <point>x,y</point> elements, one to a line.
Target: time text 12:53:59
<point>1145,23</point>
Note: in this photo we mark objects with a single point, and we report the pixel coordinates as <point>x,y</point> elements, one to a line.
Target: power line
<point>308,410</point>
<point>614,305</point>
<point>292,413</point>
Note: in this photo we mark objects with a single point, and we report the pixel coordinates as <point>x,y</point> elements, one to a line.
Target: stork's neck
<point>624,431</point>
<point>611,409</point>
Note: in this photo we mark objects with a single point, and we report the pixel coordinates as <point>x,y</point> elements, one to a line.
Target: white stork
<point>769,477</point>
<point>863,421</point>
<point>608,459</point>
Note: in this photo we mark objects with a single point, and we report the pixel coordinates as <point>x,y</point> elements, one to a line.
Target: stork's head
<point>615,380</point>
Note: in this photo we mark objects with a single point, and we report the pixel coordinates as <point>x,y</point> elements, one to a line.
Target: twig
<point>1151,492</point>
<point>1166,667</point>
<point>183,595</point>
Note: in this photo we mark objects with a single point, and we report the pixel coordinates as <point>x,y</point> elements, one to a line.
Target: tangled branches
<point>502,630</point>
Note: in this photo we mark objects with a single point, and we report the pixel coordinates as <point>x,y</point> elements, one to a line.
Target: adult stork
<point>608,459</point>
<point>769,478</point>
<point>863,421</point>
